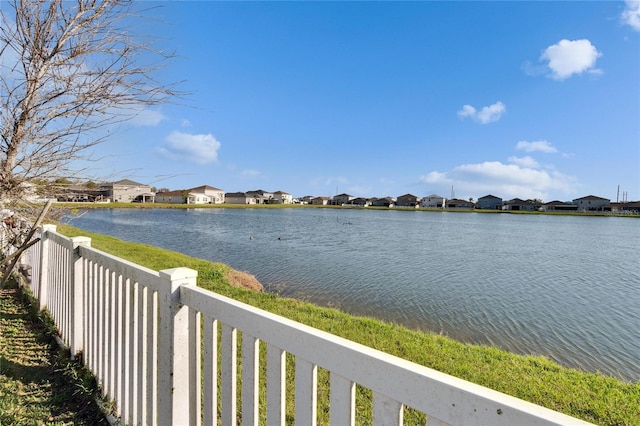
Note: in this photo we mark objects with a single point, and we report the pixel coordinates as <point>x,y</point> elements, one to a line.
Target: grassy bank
<point>592,397</point>
<point>39,383</point>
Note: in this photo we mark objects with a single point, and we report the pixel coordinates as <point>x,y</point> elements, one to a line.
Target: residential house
<point>489,202</point>
<point>559,206</point>
<point>626,207</point>
<point>456,203</point>
<point>432,201</point>
<point>361,202</point>
<point>407,200</point>
<point>127,191</point>
<point>383,202</point>
<point>261,197</point>
<point>282,197</point>
<point>341,199</point>
<point>521,205</point>
<point>319,201</point>
<point>238,198</point>
<point>171,197</point>
<point>205,194</point>
<point>591,203</point>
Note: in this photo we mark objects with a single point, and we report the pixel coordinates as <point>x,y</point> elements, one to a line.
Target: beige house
<point>171,197</point>
<point>238,198</point>
<point>127,191</point>
<point>341,199</point>
<point>319,201</point>
<point>282,197</point>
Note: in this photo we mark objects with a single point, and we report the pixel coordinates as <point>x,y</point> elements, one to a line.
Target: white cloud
<point>486,115</point>
<point>526,161</point>
<point>147,117</point>
<point>569,57</point>
<point>631,14</point>
<point>185,123</point>
<point>537,146</point>
<point>504,180</point>
<point>200,149</point>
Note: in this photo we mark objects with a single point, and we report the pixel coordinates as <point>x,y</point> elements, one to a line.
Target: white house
<point>432,201</point>
<point>205,194</point>
<point>591,203</point>
<point>282,197</point>
<point>260,196</point>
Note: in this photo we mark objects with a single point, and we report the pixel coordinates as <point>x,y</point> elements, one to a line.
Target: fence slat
<point>173,347</point>
<point>229,374</point>
<point>306,392</point>
<point>210,371</point>
<point>386,411</point>
<point>276,375</point>
<point>250,379</point>
<point>195,367</point>
<point>342,401</point>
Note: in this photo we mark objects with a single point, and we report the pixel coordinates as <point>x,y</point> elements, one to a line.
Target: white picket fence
<point>152,341</point>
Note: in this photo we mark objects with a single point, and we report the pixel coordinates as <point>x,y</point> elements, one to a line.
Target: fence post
<point>43,282</point>
<point>77,295</point>
<point>173,348</point>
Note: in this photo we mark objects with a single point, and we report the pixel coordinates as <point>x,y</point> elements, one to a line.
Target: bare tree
<point>69,71</point>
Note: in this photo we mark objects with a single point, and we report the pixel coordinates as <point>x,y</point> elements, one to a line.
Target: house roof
<point>204,188</point>
<point>591,197</point>
<point>127,182</point>
<point>282,193</point>
<point>169,193</point>
<point>235,194</point>
<point>489,196</point>
<point>408,196</point>
<point>434,196</point>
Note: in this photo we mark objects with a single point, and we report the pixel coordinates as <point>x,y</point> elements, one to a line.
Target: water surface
<point>567,287</point>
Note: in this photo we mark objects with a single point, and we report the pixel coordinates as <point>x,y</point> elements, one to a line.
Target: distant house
<point>456,203</point>
<point>127,191</point>
<point>407,200</point>
<point>626,207</point>
<point>238,198</point>
<point>282,197</point>
<point>319,201</point>
<point>432,201</point>
<point>341,199</point>
<point>559,206</point>
<point>383,202</point>
<point>260,196</point>
<point>361,202</point>
<point>521,205</point>
<point>170,197</point>
<point>205,194</point>
<point>591,203</point>
<point>489,202</point>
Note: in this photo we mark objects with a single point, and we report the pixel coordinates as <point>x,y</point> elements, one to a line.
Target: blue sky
<point>515,99</point>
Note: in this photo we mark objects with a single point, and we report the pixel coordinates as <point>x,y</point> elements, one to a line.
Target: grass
<point>39,383</point>
<point>592,397</point>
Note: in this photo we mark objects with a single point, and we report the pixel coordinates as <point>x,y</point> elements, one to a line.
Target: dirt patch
<point>243,280</point>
